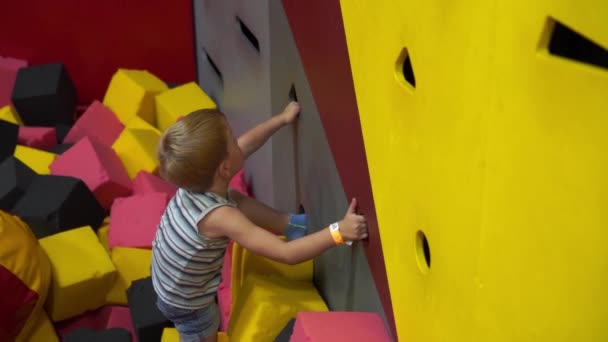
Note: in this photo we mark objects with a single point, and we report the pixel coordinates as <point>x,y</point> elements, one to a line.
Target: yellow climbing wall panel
<point>543,266</point>
<point>497,154</point>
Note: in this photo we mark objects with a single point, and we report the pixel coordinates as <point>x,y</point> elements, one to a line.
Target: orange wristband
<point>334,229</point>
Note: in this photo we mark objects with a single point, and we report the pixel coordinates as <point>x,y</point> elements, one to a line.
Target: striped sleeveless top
<point>186,266</point>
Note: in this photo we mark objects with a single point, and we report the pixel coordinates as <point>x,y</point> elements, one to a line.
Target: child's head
<point>197,149</point>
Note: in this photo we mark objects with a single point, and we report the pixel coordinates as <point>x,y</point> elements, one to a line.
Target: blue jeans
<point>192,325</point>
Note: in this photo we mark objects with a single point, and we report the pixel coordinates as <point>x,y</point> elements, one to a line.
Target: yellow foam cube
<point>180,101</point>
<point>136,147</point>
<point>171,335</point>
<point>131,264</point>
<point>131,93</point>
<point>41,331</point>
<point>21,255</point>
<point>245,263</point>
<point>7,113</point>
<point>37,160</point>
<point>102,234</point>
<point>82,272</point>
<point>266,305</point>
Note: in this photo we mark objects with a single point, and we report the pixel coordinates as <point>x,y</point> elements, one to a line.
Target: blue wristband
<point>297,227</point>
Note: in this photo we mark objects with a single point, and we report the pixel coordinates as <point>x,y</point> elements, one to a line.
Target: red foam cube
<point>133,220</point>
<point>336,326</point>
<point>224,291</point>
<point>43,138</point>
<point>96,320</point>
<point>145,182</point>
<point>98,166</point>
<point>106,317</point>
<point>8,74</point>
<point>97,121</point>
<point>120,317</point>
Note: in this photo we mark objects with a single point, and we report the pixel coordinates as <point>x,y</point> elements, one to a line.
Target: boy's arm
<point>260,214</point>
<point>229,221</point>
<point>235,225</point>
<point>253,139</point>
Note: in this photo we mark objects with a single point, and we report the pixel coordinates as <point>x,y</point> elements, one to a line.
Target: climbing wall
<point>261,72</point>
<point>233,59</point>
<point>484,132</point>
<point>342,274</point>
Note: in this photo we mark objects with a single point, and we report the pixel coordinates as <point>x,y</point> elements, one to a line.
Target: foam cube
<point>224,291</point>
<point>8,74</point>
<point>42,138</point>
<point>171,335</point>
<point>98,166</point>
<point>8,139</point>
<point>44,95</point>
<point>245,263</point>
<point>82,272</point>
<point>97,121</point>
<point>41,331</point>
<point>353,326</point>
<point>106,317</point>
<point>133,220</point>
<point>37,160</point>
<point>120,317</point>
<point>52,204</point>
<point>7,113</point>
<point>90,335</point>
<point>131,93</point>
<point>15,177</point>
<point>145,182</point>
<point>148,321</point>
<point>102,234</point>
<point>131,264</point>
<point>267,303</point>
<point>60,149</point>
<point>180,101</point>
<point>136,147</point>
<point>285,334</point>
<point>96,319</point>
<point>62,131</point>
<point>25,278</point>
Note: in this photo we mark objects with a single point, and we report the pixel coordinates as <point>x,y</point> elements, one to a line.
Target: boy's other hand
<point>290,113</point>
<point>353,227</point>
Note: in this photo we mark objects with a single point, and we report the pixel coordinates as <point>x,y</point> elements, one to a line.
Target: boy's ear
<point>224,169</point>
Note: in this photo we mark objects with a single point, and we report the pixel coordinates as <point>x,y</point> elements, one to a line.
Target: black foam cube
<point>148,321</point>
<point>15,178</point>
<point>90,335</point>
<point>285,334</point>
<point>61,148</point>
<point>8,139</point>
<point>44,95</point>
<point>53,204</point>
<point>62,131</point>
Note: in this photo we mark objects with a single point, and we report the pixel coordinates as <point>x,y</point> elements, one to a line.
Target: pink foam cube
<point>120,317</point>
<point>133,220</point>
<point>42,138</point>
<point>224,292</point>
<point>97,121</point>
<point>96,320</point>
<point>8,74</point>
<point>338,326</point>
<point>239,183</point>
<point>145,182</point>
<point>99,168</point>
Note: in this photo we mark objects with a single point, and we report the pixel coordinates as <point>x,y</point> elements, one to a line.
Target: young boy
<point>200,155</point>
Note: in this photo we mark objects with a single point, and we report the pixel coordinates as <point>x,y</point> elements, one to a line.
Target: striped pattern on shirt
<point>186,266</point>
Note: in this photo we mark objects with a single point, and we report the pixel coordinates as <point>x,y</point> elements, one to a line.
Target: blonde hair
<point>192,149</point>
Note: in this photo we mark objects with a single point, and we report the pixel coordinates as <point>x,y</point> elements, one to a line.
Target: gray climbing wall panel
<point>243,91</point>
<point>296,167</point>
